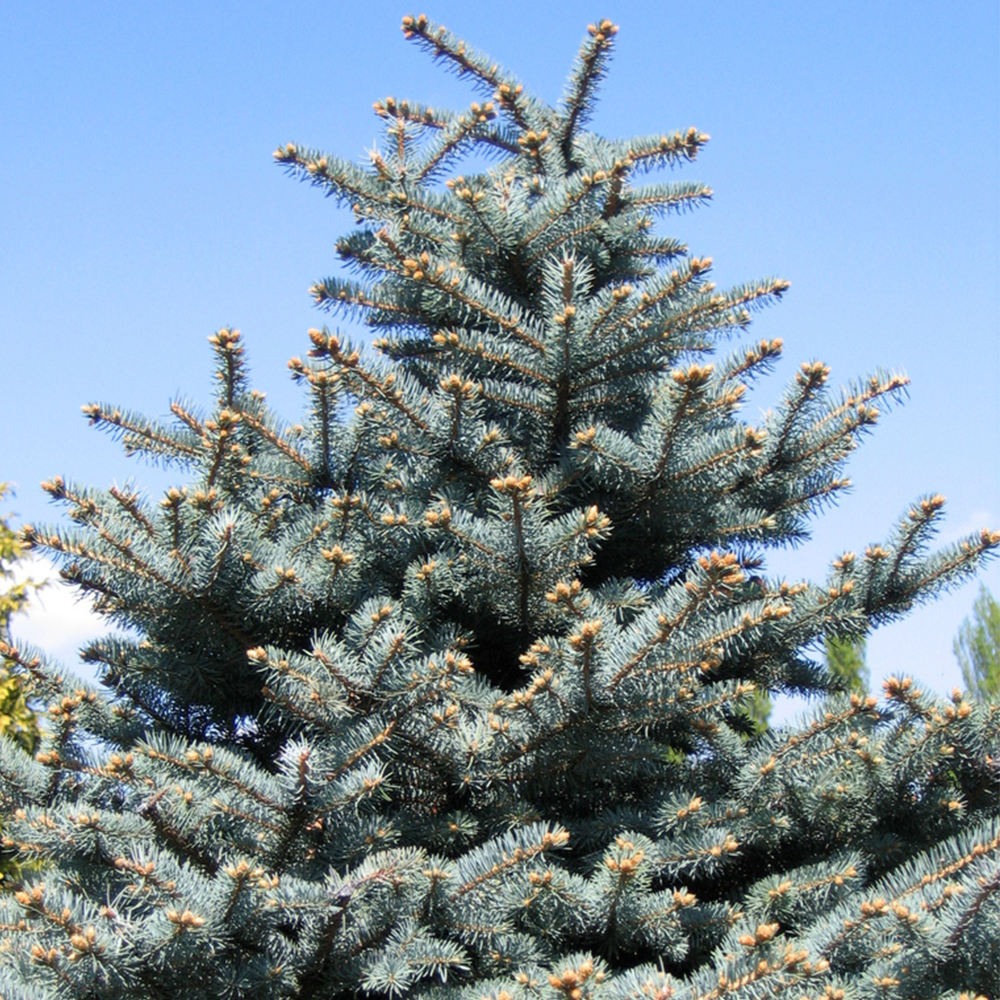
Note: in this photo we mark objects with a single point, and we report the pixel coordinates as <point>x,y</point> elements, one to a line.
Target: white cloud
<point>975,523</point>
<point>58,621</point>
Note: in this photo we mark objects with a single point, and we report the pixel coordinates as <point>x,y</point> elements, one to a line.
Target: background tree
<point>846,659</point>
<point>977,647</point>
<point>18,720</point>
<point>439,692</point>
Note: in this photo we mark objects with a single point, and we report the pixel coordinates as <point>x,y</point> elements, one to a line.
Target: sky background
<point>854,152</point>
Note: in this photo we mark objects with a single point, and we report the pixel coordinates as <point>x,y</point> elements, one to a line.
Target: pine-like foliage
<point>442,692</point>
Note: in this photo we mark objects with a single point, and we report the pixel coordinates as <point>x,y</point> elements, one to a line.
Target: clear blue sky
<point>854,152</point>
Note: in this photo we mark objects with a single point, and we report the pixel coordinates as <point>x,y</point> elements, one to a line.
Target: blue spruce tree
<point>442,693</point>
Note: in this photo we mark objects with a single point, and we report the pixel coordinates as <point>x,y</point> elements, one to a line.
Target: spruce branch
<point>579,100</point>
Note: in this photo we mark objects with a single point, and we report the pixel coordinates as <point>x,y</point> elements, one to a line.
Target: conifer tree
<point>439,692</point>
